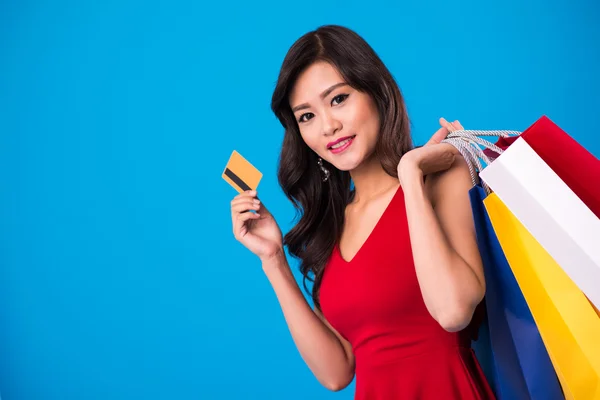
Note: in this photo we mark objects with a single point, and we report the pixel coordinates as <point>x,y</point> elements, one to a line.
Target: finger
<point>457,126</point>
<point>245,199</point>
<point>438,136</point>
<point>447,125</point>
<point>245,194</point>
<point>240,228</point>
<point>250,195</point>
<point>245,205</point>
<point>450,148</point>
<point>242,197</point>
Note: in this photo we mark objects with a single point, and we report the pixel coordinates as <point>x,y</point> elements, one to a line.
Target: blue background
<point>119,275</point>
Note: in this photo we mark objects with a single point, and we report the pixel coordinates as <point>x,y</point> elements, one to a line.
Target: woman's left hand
<point>431,158</point>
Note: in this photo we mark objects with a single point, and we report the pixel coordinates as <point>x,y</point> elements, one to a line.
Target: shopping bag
<point>558,219</point>
<point>565,318</point>
<point>553,298</point>
<point>575,166</point>
<point>518,365</point>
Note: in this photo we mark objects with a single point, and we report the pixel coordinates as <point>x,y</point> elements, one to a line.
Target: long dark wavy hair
<point>321,205</point>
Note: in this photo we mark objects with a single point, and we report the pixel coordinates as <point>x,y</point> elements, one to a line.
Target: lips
<point>330,144</point>
<point>341,144</point>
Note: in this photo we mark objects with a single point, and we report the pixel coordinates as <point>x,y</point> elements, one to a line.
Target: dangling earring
<point>325,170</point>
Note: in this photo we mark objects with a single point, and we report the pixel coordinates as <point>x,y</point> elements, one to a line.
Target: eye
<point>305,117</point>
<point>339,98</point>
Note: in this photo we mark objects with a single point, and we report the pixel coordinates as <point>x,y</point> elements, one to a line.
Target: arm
<point>326,353</point>
<point>442,234</point>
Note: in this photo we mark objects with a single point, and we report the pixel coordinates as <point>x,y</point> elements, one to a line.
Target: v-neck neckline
<point>375,228</point>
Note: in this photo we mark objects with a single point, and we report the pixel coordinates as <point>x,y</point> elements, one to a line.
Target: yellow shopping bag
<point>567,322</point>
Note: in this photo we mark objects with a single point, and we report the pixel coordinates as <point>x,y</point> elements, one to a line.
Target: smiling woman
<point>324,115</point>
<point>394,259</point>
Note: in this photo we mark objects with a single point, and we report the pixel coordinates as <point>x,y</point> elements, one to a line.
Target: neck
<point>370,180</point>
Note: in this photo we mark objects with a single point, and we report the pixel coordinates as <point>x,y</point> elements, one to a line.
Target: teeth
<point>340,144</point>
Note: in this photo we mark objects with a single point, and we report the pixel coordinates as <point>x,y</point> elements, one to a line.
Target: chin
<point>347,164</point>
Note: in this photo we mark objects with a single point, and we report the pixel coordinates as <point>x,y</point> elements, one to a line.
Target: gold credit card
<point>240,174</point>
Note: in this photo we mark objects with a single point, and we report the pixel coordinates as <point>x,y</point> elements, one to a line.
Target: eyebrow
<point>323,95</point>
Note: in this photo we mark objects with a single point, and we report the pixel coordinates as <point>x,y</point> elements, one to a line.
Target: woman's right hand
<point>258,231</point>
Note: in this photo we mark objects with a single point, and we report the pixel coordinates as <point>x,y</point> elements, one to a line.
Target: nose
<point>331,124</point>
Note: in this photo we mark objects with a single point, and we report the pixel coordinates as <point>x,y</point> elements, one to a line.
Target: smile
<point>341,144</point>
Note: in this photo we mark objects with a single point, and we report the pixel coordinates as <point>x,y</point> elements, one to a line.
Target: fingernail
<point>257,201</point>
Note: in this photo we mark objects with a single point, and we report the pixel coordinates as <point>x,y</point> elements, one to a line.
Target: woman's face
<point>337,122</point>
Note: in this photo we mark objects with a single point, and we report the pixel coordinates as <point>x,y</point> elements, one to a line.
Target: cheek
<point>310,139</point>
<point>369,122</point>
<point>373,123</point>
<point>365,113</point>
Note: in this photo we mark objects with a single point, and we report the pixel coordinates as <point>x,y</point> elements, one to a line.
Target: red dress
<point>374,301</point>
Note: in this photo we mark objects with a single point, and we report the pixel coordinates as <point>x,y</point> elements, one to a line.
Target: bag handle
<point>468,143</point>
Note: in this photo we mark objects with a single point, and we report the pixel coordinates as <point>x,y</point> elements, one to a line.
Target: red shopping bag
<point>576,166</point>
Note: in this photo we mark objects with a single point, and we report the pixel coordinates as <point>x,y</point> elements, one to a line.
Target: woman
<point>386,231</point>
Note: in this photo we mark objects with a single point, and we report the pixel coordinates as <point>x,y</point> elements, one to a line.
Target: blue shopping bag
<point>512,352</point>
